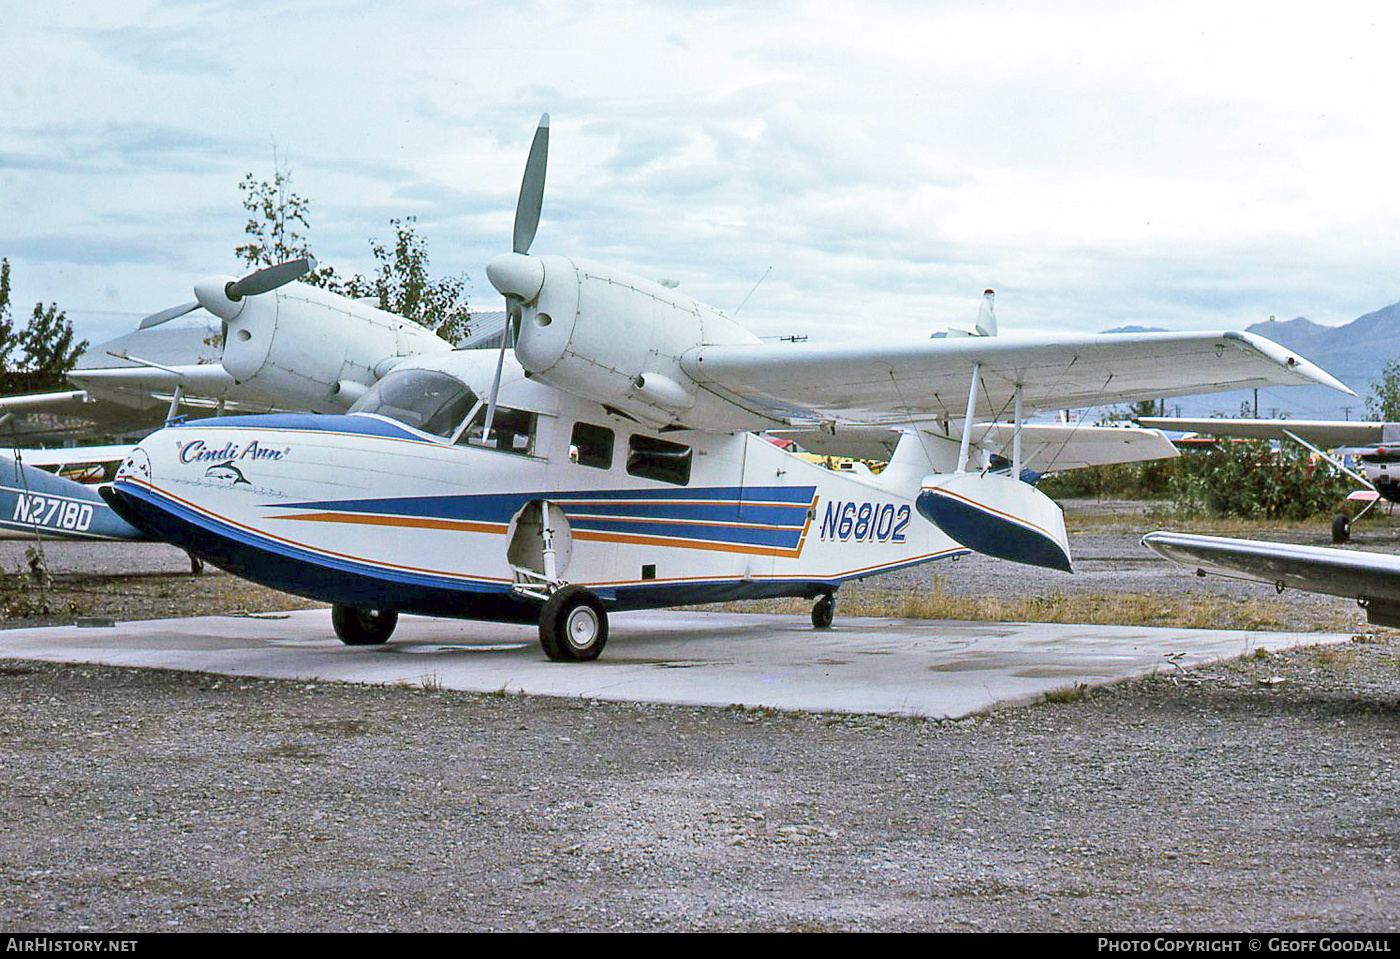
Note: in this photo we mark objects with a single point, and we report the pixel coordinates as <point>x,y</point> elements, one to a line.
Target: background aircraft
<point>135,383</point>
<point>611,462</point>
<point>1372,579</point>
<point>1374,446</point>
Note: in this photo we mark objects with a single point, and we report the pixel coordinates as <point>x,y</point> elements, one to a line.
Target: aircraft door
<point>763,470</point>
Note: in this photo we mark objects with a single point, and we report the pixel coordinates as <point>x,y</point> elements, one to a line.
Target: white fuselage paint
<point>406,506</point>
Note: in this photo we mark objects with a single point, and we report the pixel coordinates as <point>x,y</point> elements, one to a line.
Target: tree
<point>49,348</point>
<point>277,221</point>
<point>274,215</point>
<point>403,286</point>
<point>7,326</point>
<point>46,345</point>
<point>1383,403</point>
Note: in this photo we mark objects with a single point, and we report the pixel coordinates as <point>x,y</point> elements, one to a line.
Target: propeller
<point>269,278</point>
<point>165,316</point>
<point>516,276</point>
<point>260,281</point>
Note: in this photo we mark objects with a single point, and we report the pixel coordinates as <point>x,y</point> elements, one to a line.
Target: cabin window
<point>659,460</point>
<point>512,431</point>
<point>591,446</point>
<point>424,399</point>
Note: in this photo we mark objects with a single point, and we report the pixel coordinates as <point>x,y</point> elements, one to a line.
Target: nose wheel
<point>1341,528</point>
<point>573,625</point>
<point>824,611</point>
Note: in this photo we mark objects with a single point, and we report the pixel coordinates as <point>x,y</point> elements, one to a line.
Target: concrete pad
<point>903,667</point>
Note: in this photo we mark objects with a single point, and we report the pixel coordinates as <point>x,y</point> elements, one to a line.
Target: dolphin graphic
<point>227,470</point>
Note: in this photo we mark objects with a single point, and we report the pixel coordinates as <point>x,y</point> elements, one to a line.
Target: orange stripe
<point>728,524</point>
<point>414,522</point>
<point>636,540</point>
<point>447,574</point>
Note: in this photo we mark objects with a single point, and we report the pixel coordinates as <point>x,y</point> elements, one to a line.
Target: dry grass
<point>1134,515</point>
<point>1338,658</point>
<point>1191,611</point>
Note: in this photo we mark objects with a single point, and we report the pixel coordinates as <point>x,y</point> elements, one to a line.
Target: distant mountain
<point>1354,353</point>
<point>1137,329</point>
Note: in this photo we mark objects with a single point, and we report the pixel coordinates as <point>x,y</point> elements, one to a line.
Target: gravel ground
<point>1259,795</point>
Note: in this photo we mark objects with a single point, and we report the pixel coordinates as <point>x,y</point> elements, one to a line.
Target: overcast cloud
<point>1190,165</point>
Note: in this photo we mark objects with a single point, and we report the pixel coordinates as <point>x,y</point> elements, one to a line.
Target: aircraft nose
<point>516,275</point>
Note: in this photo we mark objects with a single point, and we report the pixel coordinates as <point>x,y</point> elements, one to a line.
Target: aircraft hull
<point>362,512</point>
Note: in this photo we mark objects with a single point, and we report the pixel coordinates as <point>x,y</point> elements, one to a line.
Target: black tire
<point>573,626</point>
<point>363,627</point>
<point>196,564</point>
<point>1341,528</point>
<point>823,612</point>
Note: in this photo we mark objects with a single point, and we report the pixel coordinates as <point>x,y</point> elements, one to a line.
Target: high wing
<point>1372,579</point>
<point>1328,434</point>
<point>890,382</point>
<point>206,378</point>
<point>59,402</point>
<point>1045,447</point>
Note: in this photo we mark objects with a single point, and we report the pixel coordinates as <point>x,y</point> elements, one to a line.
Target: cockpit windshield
<point>424,399</point>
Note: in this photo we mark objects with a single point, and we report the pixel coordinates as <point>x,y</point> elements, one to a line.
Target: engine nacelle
<point>309,348</point>
<point>617,339</point>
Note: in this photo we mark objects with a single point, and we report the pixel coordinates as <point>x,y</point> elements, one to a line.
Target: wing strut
<point>967,420</point>
<point>1016,418</point>
<point>1341,466</point>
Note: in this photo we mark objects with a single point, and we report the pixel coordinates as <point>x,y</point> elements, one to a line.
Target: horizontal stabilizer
<point>997,515</point>
<point>1047,447</point>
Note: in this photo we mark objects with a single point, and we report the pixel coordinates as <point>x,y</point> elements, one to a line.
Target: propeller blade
<point>165,316</point>
<point>512,309</point>
<point>527,209</point>
<point>269,278</point>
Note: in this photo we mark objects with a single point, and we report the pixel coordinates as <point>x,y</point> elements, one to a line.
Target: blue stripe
<point>308,422</point>
<point>226,531</point>
<point>784,538</point>
<point>761,515</point>
<point>730,504</point>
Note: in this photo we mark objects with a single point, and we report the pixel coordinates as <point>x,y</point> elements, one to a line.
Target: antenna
<point>751,292</point>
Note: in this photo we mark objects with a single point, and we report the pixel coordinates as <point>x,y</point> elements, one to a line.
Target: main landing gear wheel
<point>1341,528</point>
<point>823,612</point>
<point>363,627</point>
<point>573,625</point>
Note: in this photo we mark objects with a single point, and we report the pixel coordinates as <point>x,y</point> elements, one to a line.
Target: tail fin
<point>986,316</point>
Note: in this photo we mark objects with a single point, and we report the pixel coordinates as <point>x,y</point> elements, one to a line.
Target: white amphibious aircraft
<point>613,463</point>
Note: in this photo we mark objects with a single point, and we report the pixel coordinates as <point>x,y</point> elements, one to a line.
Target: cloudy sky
<point>1187,165</point>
